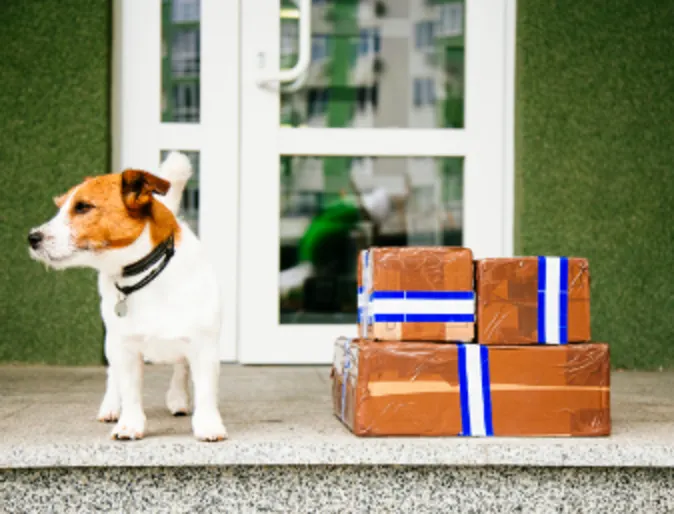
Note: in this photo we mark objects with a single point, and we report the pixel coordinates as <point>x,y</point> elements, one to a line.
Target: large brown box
<point>530,300</point>
<point>426,389</point>
<point>416,294</point>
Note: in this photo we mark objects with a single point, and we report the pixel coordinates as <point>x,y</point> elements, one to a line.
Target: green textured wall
<point>595,160</point>
<point>54,130</point>
<point>594,135</point>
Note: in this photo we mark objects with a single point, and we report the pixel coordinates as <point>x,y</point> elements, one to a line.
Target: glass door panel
<point>398,64</point>
<point>176,88</point>
<point>332,207</point>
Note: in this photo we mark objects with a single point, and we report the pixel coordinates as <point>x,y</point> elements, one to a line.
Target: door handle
<point>298,72</point>
<point>296,85</point>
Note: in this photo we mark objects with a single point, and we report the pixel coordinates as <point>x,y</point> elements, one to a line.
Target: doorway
<point>320,127</point>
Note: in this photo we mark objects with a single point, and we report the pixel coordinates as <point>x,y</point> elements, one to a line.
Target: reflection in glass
<point>181,59</point>
<point>375,63</point>
<point>189,206</point>
<point>332,207</point>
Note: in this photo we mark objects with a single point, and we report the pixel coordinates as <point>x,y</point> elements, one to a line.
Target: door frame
<point>138,134</point>
<point>509,58</point>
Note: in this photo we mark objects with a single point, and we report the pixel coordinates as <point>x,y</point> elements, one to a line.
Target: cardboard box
<point>426,389</point>
<point>417,294</point>
<point>531,300</point>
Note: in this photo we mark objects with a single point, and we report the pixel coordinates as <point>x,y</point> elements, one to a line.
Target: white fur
<point>177,169</point>
<point>175,319</point>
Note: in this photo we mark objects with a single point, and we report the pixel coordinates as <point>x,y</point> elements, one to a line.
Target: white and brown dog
<point>159,295</point>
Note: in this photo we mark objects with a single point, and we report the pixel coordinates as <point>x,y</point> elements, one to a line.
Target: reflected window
<point>185,10</point>
<point>376,41</point>
<point>186,102</point>
<point>319,47</point>
<point>450,23</point>
<point>424,34</point>
<point>364,46</point>
<point>289,39</point>
<point>424,92</point>
<point>317,102</point>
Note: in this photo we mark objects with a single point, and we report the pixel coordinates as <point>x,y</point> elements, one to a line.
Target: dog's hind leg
<point>177,396</point>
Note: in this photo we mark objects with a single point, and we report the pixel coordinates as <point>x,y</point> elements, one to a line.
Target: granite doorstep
<point>283,416</point>
<point>337,489</point>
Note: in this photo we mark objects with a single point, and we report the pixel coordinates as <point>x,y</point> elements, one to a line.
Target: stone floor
<point>282,415</point>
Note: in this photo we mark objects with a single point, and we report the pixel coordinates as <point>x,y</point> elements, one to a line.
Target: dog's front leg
<point>206,421</point>
<point>111,405</point>
<point>127,366</point>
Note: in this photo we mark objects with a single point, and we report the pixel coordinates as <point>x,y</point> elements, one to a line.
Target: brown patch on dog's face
<point>111,211</point>
<point>61,200</point>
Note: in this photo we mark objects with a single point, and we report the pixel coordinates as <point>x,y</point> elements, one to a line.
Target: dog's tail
<point>177,169</point>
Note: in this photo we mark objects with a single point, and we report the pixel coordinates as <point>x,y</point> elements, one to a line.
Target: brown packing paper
<point>507,301</point>
<point>413,389</point>
<point>418,269</point>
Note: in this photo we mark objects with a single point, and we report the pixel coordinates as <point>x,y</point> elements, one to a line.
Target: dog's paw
<point>108,412</point>
<point>107,415</point>
<point>129,427</point>
<point>177,402</point>
<point>209,427</point>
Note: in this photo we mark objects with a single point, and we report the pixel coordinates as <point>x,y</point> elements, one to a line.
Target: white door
<point>401,108</point>
<point>175,87</point>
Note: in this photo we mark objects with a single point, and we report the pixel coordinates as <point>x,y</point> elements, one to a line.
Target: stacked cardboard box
<point>449,346</point>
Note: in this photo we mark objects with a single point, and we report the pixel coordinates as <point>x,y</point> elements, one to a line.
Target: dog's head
<point>103,213</point>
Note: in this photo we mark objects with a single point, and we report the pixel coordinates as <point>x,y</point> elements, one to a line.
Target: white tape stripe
<point>475,398</point>
<point>421,306</point>
<point>552,287</point>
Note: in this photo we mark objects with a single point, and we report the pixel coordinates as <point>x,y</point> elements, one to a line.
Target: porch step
<point>287,453</point>
<point>340,489</point>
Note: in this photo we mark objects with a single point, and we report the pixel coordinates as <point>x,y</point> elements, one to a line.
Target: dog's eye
<point>82,207</point>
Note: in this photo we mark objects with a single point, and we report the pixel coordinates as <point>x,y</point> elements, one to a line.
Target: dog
<point>159,295</point>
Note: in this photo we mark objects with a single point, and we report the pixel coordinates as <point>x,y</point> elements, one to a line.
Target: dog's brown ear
<point>138,187</point>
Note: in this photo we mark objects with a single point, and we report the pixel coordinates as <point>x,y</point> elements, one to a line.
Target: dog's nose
<point>34,239</point>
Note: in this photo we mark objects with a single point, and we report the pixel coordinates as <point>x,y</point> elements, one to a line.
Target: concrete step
<point>338,489</point>
<point>287,453</point>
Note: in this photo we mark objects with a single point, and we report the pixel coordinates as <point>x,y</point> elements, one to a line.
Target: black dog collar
<point>164,250</point>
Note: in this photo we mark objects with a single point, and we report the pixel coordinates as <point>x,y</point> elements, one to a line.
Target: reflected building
<point>400,64</point>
